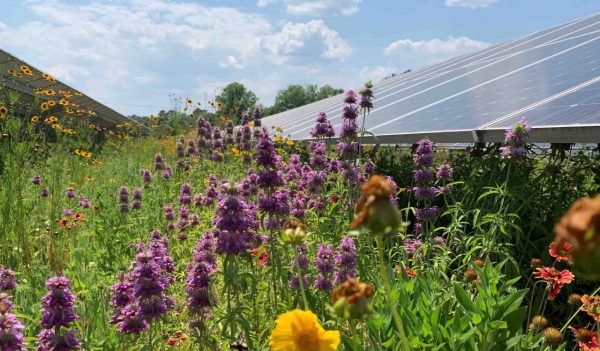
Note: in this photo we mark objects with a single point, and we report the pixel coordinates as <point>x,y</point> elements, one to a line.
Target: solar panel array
<point>28,85</point>
<point>551,78</point>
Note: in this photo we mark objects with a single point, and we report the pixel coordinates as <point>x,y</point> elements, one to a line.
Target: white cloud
<point>316,8</point>
<point>309,38</point>
<point>472,4</point>
<point>450,47</point>
<point>231,62</point>
<point>265,3</point>
<point>131,52</point>
<point>376,74</point>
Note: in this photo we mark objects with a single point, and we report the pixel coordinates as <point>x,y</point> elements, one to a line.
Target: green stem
<point>301,280</point>
<point>577,311</point>
<point>391,300</point>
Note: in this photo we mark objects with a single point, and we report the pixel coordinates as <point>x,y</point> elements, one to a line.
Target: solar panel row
<point>550,78</point>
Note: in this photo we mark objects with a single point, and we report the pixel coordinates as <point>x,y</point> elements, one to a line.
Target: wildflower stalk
<point>300,279</point>
<point>577,311</point>
<point>388,291</point>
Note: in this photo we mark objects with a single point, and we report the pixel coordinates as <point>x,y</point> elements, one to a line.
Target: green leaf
<point>464,300</point>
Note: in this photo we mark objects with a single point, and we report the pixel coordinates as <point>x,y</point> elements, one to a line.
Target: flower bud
<point>294,232</point>
<point>351,300</point>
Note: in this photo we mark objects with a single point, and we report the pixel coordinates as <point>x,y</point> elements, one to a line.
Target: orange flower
<point>591,305</point>
<point>555,279</point>
<point>587,340</point>
<point>562,252</point>
<point>351,299</point>
<point>263,256</point>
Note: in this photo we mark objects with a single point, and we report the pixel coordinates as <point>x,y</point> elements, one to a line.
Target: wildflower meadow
<point>231,236</point>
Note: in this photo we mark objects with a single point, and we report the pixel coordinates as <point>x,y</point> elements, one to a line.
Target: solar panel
<point>551,77</point>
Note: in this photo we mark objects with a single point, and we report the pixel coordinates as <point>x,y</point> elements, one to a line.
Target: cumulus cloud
<point>376,74</point>
<point>231,62</point>
<point>472,4</point>
<point>316,8</point>
<point>422,52</point>
<point>311,38</point>
<point>128,51</point>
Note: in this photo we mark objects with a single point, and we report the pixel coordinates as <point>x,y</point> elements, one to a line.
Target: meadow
<point>233,237</point>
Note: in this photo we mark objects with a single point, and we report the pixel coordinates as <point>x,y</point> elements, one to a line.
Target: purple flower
<point>302,264</point>
<point>44,192</point>
<point>58,303</point>
<point>36,180</point>
<point>325,264</point>
<point>444,171</point>
<point>159,162</point>
<point>265,151</point>
<point>70,193</point>
<point>424,214</point>
<point>350,113</point>
<point>137,194</point>
<point>350,97</point>
<point>423,175</point>
<point>369,168</point>
<point>257,117</point>
<point>318,158</point>
<point>349,129</point>
<point>146,175</point>
<point>48,340</point>
<point>424,193</point>
<point>7,279</point>
<point>124,194</point>
<point>411,246</point>
<point>345,260</point>
<point>131,320</point>
<point>11,330</point>
<point>169,214</point>
<point>199,274</point>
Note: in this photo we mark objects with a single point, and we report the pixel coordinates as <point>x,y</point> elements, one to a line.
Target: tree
<point>234,100</point>
<point>296,95</point>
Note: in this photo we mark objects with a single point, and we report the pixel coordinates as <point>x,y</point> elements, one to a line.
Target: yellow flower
<point>289,142</point>
<point>300,331</point>
<point>64,102</point>
<point>34,119</point>
<point>44,106</point>
<point>251,124</point>
<point>3,110</point>
<point>51,103</point>
<point>278,138</point>
<point>56,126</point>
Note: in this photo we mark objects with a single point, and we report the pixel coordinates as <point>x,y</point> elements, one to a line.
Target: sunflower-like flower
<point>374,209</point>
<point>591,305</point>
<point>580,227</point>
<point>560,252</point>
<point>301,331</point>
<point>555,279</point>
<point>587,340</point>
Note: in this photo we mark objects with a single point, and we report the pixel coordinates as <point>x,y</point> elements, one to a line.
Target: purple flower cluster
<point>37,180</point>
<point>257,118</point>
<point>325,264</point>
<point>348,146</point>
<point>411,246</point>
<point>70,193</point>
<point>318,156</point>
<point>515,139</point>
<point>345,260</point>
<point>199,277</point>
<point>7,279</point>
<point>57,313</point>
<point>11,329</point>
<point>140,295</point>
<point>124,198</point>
<point>84,202</point>
<point>323,127</point>
<point>366,97</point>
<point>137,199</point>
<point>236,222</point>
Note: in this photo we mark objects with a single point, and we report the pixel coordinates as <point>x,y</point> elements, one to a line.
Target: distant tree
<point>297,95</point>
<point>236,99</point>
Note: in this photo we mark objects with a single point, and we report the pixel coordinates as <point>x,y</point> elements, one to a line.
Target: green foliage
<point>235,99</point>
<point>297,95</point>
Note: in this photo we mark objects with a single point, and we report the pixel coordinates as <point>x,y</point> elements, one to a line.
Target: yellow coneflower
<point>51,103</point>
<point>44,106</point>
<point>301,331</point>
<point>251,124</point>
<point>78,152</point>
<point>35,119</point>
<point>289,142</point>
<point>53,119</point>
<point>56,126</point>
<point>63,102</point>
<point>91,126</point>
<point>278,138</point>
<point>91,112</point>
<point>3,110</point>
<point>50,92</point>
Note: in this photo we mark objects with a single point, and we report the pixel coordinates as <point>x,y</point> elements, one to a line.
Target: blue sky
<point>133,54</point>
